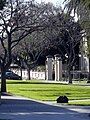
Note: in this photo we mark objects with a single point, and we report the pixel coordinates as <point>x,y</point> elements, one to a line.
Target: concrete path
<point>20,108</point>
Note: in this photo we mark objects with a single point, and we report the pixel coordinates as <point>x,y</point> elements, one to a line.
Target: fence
<point>33,74</point>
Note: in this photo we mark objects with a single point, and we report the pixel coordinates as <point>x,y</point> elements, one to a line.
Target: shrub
<point>62,99</point>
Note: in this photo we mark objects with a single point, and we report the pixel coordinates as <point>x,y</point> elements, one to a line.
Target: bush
<point>62,99</point>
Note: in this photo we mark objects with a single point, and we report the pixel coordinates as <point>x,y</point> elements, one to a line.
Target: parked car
<point>13,76</point>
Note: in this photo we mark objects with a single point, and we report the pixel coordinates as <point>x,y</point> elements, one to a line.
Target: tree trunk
<point>88,81</point>
<point>69,76</point>
<point>29,78</point>
<point>21,71</point>
<point>3,80</point>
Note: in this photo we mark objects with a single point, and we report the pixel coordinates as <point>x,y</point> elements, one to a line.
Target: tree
<point>73,4</point>
<point>63,35</point>
<point>82,9</point>
<point>68,39</point>
<point>2,4</point>
<point>29,50</point>
<point>18,19</point>
<point>33,46</point>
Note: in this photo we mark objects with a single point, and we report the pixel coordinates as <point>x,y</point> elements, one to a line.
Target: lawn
<point>48,91</point>
<point>82,103</point>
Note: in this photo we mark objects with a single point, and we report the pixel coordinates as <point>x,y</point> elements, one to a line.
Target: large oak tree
<point>18,19</point>
<point>61,37</point>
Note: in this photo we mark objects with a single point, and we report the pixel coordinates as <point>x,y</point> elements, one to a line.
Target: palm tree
<point>73,4</point>
<point>82,8</point>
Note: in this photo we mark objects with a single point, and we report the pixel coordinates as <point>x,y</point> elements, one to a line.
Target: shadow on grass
<point>37,90</point>
<point>28,82</point>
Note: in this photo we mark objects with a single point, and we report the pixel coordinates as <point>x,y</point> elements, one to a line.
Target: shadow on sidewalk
<point>23,109</point>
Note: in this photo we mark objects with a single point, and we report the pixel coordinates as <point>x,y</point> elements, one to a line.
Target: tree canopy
<point>82,9</point>
<point>62,36</point>
<point>18,19</point>
<point>2,4</point>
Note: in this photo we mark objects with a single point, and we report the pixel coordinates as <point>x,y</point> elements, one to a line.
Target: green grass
<point>48,91</point>
<point>83,103</point>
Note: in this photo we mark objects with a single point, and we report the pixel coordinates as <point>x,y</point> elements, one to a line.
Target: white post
<point>49,68</point>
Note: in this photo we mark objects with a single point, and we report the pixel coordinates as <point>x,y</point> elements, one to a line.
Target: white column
<point>87,64</point>
<point>59,64</point>
<point>49,68</point>
<point>58,67</point>
<point>84,63</point>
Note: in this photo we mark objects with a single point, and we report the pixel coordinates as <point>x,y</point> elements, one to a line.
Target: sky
<point>55,2</point>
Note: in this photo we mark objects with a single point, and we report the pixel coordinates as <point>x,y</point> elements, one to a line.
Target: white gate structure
<point>54,66</point>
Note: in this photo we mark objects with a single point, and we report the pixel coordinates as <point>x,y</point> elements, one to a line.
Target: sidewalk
<point>20,108</point>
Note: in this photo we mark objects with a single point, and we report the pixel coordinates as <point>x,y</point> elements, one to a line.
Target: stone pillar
<point>87,64</point>
<point>49,67</point>
<point>84,63</point>
<point>58,67</point>
<point>59,62</point>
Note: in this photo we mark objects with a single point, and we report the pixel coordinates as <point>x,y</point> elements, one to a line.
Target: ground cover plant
<point>49,91</point>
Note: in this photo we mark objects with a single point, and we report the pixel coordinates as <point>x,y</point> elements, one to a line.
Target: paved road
<point>19,108</point>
